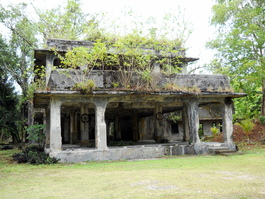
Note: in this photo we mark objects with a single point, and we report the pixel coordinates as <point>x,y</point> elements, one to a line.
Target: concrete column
<point>227,121</point>
<point>100,125</point>
<point>72,124</point>
<point>186,133</point>
<point>135,126</point>
<point>66,128</point>
<point>191,108</point>
<point>76,124</point>
<point>84,125</point>
<point>55,125</point>
<point>73,127</point>
<point>47,130</point>
<point>49,65</point>
<point>158,130</point>
<point>117,128</point>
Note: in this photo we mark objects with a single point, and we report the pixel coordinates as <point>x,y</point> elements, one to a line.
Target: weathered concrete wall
<point>64,79</point>
<point>203,82</point>
<point>64,45</point>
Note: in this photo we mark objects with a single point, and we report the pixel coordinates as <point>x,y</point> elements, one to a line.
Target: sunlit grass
<point>237,176</point>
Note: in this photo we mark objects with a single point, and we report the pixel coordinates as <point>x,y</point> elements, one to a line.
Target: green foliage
<point>127,54</point>
<point>21,43</point>
<point>85,87</point>
<point>247,107</point>
<point>36,134</point>
<point>262,119</point>
<point>6,147</point>
<point>215,131</point>
<point>9,109</point>
<point>84,57</point>
<point>247,125</point>
<point>34,155</point>
<point>240,48</point>
<point>174,116</point>
<point>67,22</point>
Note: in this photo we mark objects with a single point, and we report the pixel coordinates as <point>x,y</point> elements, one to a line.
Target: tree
<point>240,45</point>
<point>21,43</point>
<point>69,22</point>
<point>9,101</point>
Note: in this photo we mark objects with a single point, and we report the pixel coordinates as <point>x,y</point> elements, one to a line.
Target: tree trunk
<point>263,98</point>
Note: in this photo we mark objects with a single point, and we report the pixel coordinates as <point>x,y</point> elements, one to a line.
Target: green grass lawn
<point>236,176</point>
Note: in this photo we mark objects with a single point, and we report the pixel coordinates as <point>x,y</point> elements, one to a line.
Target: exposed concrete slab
<point>73,154</point>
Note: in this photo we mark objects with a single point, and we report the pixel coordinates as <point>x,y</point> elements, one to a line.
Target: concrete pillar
<point>227,121</point>
<point>55,125</point>
<point>100,125</point>
<point>72,124</point>
<point>191,116</point>
<point>185,119</point>
<point>76,124</point>
<point>158,130</point>
<point>135,126</point>
<point>47,130</point>
<point>66,128</point>
<point>117,128</point>
<point>84,125</point>
<point>49,65</point>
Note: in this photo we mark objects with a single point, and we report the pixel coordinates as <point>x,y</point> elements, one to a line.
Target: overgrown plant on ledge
<point>130,54</point>
<point>85,86</point>
<point>82,60</point>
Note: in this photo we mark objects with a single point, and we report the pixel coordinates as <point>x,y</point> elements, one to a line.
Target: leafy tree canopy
<point>240,45</point>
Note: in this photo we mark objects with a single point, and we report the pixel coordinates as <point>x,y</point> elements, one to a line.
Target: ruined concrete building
<point>164,120</point>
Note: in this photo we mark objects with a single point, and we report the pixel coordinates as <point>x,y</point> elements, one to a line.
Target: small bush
<point>34,155</point>
<point>20,157</point>
<point>36,134</point>
<point>33,148</point>
<point>247,125</point>
<point>7,147</point>
<point>215,131</point>
<point>262,119</point>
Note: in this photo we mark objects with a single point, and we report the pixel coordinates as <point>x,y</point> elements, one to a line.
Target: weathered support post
<point>71,126</point>
<point>84,125</point>
<point>135,126</point>
<point>227,122</point>
<point>100,126</point>
<point>49,64</point>
<point>192,111</point>
<point>66,129</point>
<point>186,136</point>
<point>47,130</point>
<point>158,130</point>
<point>55,124</point>
<point>117,128</point>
